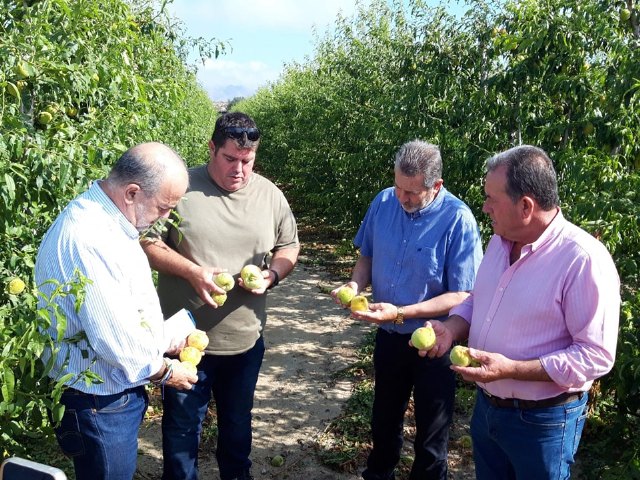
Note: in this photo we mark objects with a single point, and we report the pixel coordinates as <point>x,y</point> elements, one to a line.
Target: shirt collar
<point>98,195</point>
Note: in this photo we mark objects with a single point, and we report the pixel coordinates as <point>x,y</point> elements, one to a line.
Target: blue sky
<point>264,35</point>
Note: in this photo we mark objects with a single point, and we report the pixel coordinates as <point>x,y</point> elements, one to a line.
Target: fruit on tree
<point>219,298</point>
<point>252,277</point>
<point>588,128</point>
<point>16,286</point>
<point>21,70</point>
<point>459,356</point>
<point>345,294</point>
<point>224,280</point>
<point>13,90</point>
<point>198,339</point>
<point>359,303</point>
<point>44,118</point>
<point>423,338</point>
<point>191,355</point>
<point>72,112</point>
<point>625,14</point>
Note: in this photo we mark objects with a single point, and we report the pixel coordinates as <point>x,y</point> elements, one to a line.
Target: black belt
<point>529,404</point>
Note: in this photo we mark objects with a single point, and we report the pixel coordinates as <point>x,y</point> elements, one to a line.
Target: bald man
<point>117,333</point>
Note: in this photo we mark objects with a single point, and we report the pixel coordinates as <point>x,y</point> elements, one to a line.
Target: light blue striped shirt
<point>121,314</point>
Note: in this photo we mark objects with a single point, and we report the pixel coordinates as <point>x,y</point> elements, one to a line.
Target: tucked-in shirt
<point>418,256</point>
<point>559,302</point>
<point>227,230</point>
<point>117,333</point>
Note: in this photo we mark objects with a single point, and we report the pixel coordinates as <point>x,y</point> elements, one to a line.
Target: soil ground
<point>309,339</point>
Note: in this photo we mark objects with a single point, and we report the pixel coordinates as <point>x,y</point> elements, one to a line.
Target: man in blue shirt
<point>419,249</point>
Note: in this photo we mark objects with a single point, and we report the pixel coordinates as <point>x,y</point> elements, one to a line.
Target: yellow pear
<point>359,303</point>
<point>423,338</point>
<point>198,339</point>
<point>191,355</point>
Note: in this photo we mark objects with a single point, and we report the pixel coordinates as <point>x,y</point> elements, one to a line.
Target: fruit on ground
<point>198,339</point>
<point>191,355</point>
<point>224,280</point>
<point>359,303</point>
<point>190,367</point>
<point>219,298</point>
<point>252,277</point>
<point>16,286</point>
<point>345,295</point>
<point>277,461</point>
<point>465,442</point>
<point>423,338</point>
<point>460,356</point>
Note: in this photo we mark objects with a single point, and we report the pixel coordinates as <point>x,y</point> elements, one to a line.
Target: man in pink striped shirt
<point>542,322</point>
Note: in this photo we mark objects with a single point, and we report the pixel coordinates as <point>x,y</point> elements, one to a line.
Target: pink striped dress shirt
<point>559,302</point>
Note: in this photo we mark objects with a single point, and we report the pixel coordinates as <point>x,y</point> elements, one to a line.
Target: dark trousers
<point>399,370</point>
<point>232,381</point>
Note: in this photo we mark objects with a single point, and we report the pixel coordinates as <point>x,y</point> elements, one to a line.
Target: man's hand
<point>201,279</point>
<point>181,378</point>
<point>266,275</point>
<point>378,313</point>
<point>444,340</point>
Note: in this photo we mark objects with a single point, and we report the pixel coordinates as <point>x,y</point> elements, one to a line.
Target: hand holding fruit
<point>251,278</point>
<point>343,294</point>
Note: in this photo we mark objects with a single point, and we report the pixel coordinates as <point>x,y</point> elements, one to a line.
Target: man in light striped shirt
<point>117,333</point>
<point>542,321</point>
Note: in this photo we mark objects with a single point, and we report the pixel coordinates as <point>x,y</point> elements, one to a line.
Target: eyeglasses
<point>253,134</point>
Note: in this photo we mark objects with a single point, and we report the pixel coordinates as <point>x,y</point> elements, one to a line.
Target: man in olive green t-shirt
<point>230,217</point>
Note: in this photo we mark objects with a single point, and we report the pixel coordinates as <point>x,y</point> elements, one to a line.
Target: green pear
<point>277,461</point>
<point>252,277</point>
<point>460,356</point>
<point>219,298</point>
<point>224,280</point>
<point>423,338</point>
<point>345,294</point>
<point>359,303</point>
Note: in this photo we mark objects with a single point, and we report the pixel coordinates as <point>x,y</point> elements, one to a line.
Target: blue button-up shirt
<point>418,256</point>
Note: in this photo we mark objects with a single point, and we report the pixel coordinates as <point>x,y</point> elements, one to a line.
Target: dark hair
<point>530,173</point>
<point>420,158</point>
<point>146,166</point>
<point>233,119</point>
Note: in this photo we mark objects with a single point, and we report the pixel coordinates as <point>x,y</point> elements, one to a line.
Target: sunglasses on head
<point>253,134</point>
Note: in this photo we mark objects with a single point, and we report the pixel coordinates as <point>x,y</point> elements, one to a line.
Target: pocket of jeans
<point>115,403</point>
<point>552,417</point>
<point>68,434</point>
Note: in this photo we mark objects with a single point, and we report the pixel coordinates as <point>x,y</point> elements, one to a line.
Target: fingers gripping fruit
<point>219,298</point>
<point>224,280</point>
<point>198,339</point>
<point>423,338</point>
<point>190,367</point>
<point>460,356</point>
<point>252,277</point>
<point>359,303</point>
<point>345,295</point>
<point>191,355</point>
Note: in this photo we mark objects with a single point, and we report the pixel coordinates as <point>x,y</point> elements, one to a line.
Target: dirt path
<point>308,340</point>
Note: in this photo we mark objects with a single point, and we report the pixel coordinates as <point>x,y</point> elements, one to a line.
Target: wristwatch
<point>399,320</point>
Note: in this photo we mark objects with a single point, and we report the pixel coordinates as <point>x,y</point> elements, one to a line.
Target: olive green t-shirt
<point>227,230</point>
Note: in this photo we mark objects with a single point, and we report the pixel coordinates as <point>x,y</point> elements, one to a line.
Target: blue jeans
<point>232,381</point>
<point>100,432</point>
<point>534,444</point>
<point>399,370</point>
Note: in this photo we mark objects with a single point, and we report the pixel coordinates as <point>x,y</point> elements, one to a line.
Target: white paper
<point>177,328</point>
